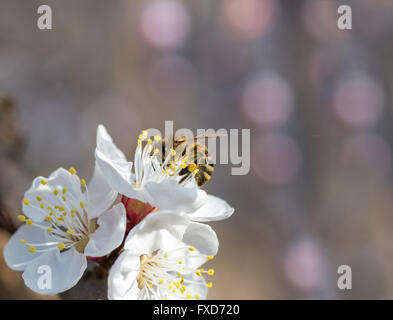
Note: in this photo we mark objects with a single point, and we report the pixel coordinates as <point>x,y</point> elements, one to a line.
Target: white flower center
<point>66,225</point>
<point>167,273</point>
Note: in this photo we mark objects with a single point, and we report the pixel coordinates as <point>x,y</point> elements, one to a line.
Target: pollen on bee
<point>192,167</point>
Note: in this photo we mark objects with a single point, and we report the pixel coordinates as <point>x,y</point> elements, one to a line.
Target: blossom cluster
<point>156,232</point>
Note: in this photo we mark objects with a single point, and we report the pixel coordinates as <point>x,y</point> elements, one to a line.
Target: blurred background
<point>318,101</point>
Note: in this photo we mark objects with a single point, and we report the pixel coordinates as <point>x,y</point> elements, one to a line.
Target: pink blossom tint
<point>268,100</point>
<point>165,24</point>
<point>249,18</point>
<point>276,158</point>
<point>304,265</point>
<point>358,101</point>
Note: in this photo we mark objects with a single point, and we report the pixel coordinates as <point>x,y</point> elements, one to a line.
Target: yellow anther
<point>198,273</point>
<point>197,297</point>
<point>82,204</point>
<point>156,151</point>
<point>161,281</point>
<point>209,285</point>
<point>43,182</point>
<point>149,148</point>
<point>192,167</point>
<point>51,213</point>
<point>195,172</point>
<point>26,202</point>
<point>70,231</point>
<point>177,284</point>
<point>39,198</point>
<point>72,170</point>
<point>61,246</point>
<point>188,296</point>
<point>22,241</point>
<point>182,280</point>
<point>64,198</point>
<point>139,143</point>
<point>173,167</point>
<point>55,192</point>
<point>64,213</point>
<point>21,218</point>
<point>201,269</point>
<point>64,190</point>
<point>149,141</point>
<point>191,248</point>
<point>83,182</point>
<point>49,230</point>
<point>209,257</point>
<point>173,291</point>
<point>179,275</point>
<point>184,165</point>
<point>151,286</point>
<point>170,287</point>
<point>48,218</point>
<point>183,288</point>
<point>144,134</point>
<point>157,138</point>
<point>50,208</point>
<point>42,206</point>
<point>29,222</point>
<point>165,255</point>
<point>210,272</point>
<point>60,209</point>
<point>32,249</point>
<point>180,262</point>
<point>173,151</point>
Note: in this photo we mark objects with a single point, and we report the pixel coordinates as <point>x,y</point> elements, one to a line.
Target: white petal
<point>159,230</point>
<point>101,195</point>
<point>66,268</point>
<point>203,238</point>
<point>17,254</point>
<point>59,180</point>
<point>122,282</point>
<point>170,195</point>
<point>105,144</point>
<point>214,209</point>
<point>110,233</point>
<point>117,171</point>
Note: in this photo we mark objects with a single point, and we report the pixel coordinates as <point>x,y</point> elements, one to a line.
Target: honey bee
<point>194,154</point>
